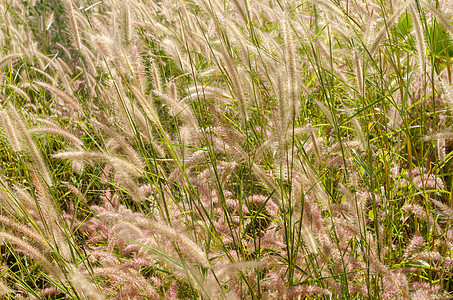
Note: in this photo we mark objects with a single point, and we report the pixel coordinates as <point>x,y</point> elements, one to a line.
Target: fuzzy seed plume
<point>381,34</point>
<point>33,253</point>
<point>189,247</point>
<point>63,95</point>
<point>358,72</point>
<point>11,132</point>
<point>290,61</point>
<point>34,235</point>
<point>118,163</point>
<point>75,141</point>
<point>236,86</point>
<point>448,91</point>
<point>9,57</point>
<point>74,25</point>
<point>30,144</point>
<point>155,74</point>
<point>419,37</point>
<point>4,289</point>
<point>127,22</point>
<point>19,91</point>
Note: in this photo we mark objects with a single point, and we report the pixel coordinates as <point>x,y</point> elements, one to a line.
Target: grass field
<point>226,149</point>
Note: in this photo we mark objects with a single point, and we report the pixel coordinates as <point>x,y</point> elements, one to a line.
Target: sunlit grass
<point>226,149</point>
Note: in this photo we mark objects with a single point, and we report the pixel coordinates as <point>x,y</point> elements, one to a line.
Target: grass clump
<point>226,150</point>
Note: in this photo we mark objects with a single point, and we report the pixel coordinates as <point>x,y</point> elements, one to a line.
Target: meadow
<point>226,149</point>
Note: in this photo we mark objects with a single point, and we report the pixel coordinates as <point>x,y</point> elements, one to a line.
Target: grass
<point>212,149</point>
